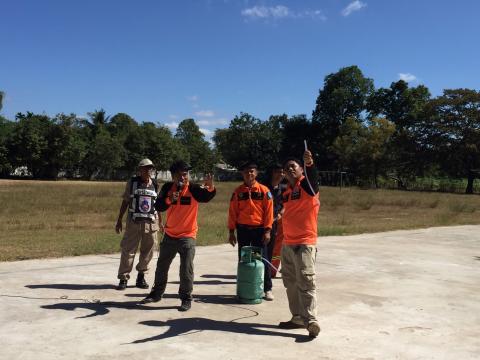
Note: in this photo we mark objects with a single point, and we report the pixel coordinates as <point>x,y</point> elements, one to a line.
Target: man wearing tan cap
<point>141,227</point>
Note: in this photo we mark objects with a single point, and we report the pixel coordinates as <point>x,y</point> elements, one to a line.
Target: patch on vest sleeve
<point>269,195</point>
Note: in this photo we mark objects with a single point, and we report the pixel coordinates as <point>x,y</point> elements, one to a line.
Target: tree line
<point>399,132</point>
<point>99,147</point>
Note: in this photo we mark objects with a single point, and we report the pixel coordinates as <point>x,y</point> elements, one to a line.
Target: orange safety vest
<point>182,215</point>
<point>300,217</point>
<point>251,206</point>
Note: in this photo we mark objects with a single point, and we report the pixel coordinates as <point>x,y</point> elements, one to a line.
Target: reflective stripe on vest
<point>142,205</point>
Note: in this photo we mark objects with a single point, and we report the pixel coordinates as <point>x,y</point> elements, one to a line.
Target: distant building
<point>225,172</point>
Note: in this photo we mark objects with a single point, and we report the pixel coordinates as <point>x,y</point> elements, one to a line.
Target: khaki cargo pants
<point>136,233</point>
<point>298,275</point>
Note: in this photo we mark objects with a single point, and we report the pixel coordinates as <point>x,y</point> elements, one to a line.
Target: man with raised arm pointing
<point>301,205</point>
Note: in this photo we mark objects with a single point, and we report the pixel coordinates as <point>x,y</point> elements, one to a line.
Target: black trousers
<point>253,236</point>
<point>271,244</point>
<point>169,248</point>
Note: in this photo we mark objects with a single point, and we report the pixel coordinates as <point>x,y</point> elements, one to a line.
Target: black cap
<point>249,165</point>
<point>179,165</point>
<point>275,166</point>
<point>292,158</point>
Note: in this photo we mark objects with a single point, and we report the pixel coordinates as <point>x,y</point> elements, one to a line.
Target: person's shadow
<point>72,286</point>
<point>101,308</point>
<point>219,276</point>
<point>186,326</point>
<point>216,280</point>
<point>206,282</point>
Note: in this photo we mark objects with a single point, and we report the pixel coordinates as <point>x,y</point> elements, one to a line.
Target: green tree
<point>201,155</point>
<point>405,107</point>
<point>98,119</point>
<point>67,147</point>
<point>28,144</point>
<point>364,149</point>
<point>453,131</point>
<point>6,128</point>
<point>2,95</point>
<point>105,153</point>
<point>295,130</point>
<point>344,95</point>
<point>248,138</point>
<point>104,156</point>
<point>161,147</point>
<point>121,125</point>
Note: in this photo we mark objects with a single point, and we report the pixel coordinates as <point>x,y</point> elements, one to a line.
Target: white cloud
<point>212,122</point>
<point>314,14</point>
<point>193,98</point>
<point>352,7</point>
<point>256,12</point>
<point>407,77</point>
<point>206,132</point>
<point>173,117</point>
<point>172,125</point>
<point>205,113</point>
<point>279,12</point>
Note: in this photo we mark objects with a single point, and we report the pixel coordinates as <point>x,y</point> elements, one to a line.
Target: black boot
<point>186,305</point>
<point>141,283</point>
<point>153,297</point>
<point>122,285</point>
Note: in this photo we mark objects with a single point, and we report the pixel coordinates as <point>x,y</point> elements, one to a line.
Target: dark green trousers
<point>169,248</point>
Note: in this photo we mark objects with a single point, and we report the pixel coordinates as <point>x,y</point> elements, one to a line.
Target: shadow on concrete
<point>103,308</point>
<point>219,276</point>
<point>209,299</point>
<point>216,299</point>
<point>165,296</point>
<point>218,280</point>
<point>186,326</point>
<point>73,286</point>
<point>206,282</point>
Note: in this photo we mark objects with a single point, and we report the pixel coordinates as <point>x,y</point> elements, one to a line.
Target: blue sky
<point>164,61</point>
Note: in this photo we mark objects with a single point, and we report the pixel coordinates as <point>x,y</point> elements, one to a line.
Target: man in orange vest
<point>301,203</point>
<point>180,199</point>
<point>251,215</point>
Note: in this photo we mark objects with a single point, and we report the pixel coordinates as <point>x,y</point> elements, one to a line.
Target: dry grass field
<point>67,218</point>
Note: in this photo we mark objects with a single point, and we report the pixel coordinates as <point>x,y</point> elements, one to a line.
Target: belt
<point>250,227</point>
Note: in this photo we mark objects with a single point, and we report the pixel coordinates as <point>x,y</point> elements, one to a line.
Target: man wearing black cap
<point>180,200</point>
<point>251,215</point>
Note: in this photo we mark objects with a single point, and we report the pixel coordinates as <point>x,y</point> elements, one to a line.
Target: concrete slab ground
<point>396,295</point>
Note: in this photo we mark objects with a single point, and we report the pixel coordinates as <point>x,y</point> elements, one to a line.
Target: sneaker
<point>313,329</point>
<point>141,283</point>
<point>122,285</point>
<point>151,298</point>
<point>186,305</point>
<point>269,295</point>
<point>291,324</point>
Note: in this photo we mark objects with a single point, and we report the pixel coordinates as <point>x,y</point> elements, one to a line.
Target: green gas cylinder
<point>250,275</point>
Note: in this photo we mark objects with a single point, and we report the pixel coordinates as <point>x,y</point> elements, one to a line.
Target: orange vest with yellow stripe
<point>182,214</point>
<point>299,220</point>
<point>252,206</point>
